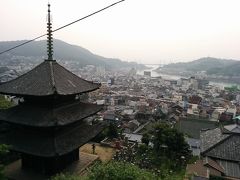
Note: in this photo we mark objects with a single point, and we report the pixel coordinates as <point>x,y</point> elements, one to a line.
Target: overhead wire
<point>89,15</point>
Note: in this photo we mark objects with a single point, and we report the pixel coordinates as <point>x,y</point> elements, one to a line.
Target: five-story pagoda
<point>48,127</point>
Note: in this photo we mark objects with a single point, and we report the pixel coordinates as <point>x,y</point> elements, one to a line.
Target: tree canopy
<point>164,151</point>
<point>169,145</point>
<point>112,171</point>
<point>3,151</point>
<point>119,171</point>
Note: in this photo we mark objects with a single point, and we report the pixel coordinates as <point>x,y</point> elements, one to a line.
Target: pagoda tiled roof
<point>48,78</point>
<point>55,142</point>
<point>36,116</point>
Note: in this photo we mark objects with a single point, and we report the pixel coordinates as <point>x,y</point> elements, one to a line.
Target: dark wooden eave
<point>35,116</point>
<point>52,143</point>
<point>46,79</point>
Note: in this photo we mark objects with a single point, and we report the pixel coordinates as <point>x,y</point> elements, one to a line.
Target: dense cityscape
<point>69,114</point>
<point>134,102</point>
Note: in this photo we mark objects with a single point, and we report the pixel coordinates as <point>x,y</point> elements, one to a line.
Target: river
<point>176,77</point>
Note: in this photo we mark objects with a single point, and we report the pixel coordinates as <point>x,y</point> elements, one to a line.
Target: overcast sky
<point>146,31</point>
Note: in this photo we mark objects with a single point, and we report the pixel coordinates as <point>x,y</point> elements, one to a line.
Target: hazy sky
<point>146,31</point>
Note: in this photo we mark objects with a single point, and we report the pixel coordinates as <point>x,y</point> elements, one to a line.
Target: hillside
<point>62,51</point>
<point>210,65</point>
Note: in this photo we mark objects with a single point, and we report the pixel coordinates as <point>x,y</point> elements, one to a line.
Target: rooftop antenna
<point>49,36</point>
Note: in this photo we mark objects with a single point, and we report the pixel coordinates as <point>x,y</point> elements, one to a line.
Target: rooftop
<point>210,138</point>
<point>46,79</point>
<point>35,116</point>
<point>52,142</point>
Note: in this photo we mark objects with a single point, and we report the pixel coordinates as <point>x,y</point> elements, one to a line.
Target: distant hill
<point>62,51</point>
<point>210,65</point>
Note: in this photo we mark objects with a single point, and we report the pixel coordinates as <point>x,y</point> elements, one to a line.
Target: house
<point>132,137</point>
<point>217,111</point>
<point>133,124</point>
<point>226,117</point>
<point>232,128</point>
<point>173,118</point>
<point>204,168</point>
<point>111,117</point>
<point>194,145</point>
<point>232,109</point>
<point>176,109</point>
<point>195,99</point>
<point>193,110</point>
<point>222,145</point>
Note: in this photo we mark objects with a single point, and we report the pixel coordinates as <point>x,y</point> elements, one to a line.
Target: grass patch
<point>105,153</point>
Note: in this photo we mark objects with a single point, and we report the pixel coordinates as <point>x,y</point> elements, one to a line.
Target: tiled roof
<point>52,142</point>
<point>48,78</point>
<point>232,169</point>
<point>30,115</point>
<point>205,167</point>
<point>208,161</point>
<point>232,128</point>
<point>228,149</point>
<point>195,99</point>
<point>210,138</point>
<point>198,169</point>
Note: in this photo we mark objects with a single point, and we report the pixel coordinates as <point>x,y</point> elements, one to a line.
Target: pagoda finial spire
<point>49,36</point>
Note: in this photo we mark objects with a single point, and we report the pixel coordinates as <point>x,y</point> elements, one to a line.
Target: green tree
<point>159,114</point>
<point>3,151</point>
<point>169,146</point>
<point>62,176</point>
<point>146,138</point>
<point>4,104</point>
<point>233,88</point>
<point>111,171</point>
<point>119,171</point>
<point>112,131</point>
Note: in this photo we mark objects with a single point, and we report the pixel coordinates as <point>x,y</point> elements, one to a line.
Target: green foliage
<point>159,114</point>
<point>228,70</point>
<point>112,131</point>
<point>62,176</point>
<point>210,65</point>
<point>100,136</point>
<point>168,151</point>
<point>216,178</point>
<point>193,159</point>
<point>202,64</point>
<point>232,88</point>
<point>167,155</point>
<point>3,151</point>
<point>4,104</point>
<point>122,171</point>
<point>146,138</point>
<point>119,171</point>
<point>2,177</point>
<point>169,147</point>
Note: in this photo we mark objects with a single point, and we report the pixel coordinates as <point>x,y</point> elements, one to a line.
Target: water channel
<point>152,68</point>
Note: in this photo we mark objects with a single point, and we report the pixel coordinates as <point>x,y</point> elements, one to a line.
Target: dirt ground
<point>105,153</point>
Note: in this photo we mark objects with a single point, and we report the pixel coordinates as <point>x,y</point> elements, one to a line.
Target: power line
<point>63,26</point>
<point>14,47</point>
